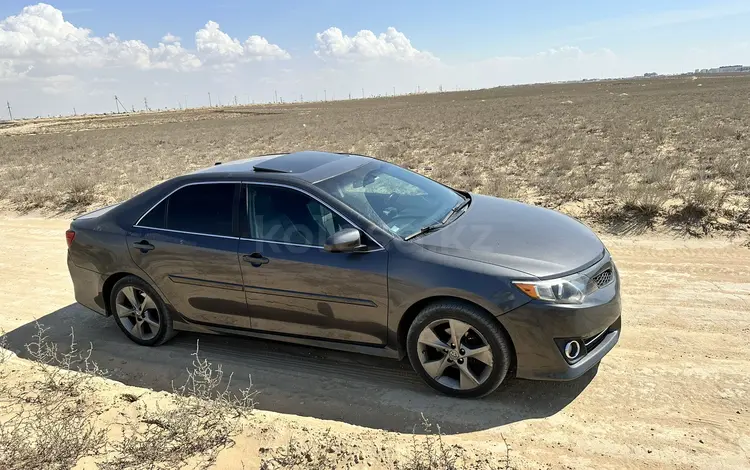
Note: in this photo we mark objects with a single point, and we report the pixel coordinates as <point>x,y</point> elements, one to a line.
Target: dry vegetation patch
<point>60,412</point>
<point>628,154</point>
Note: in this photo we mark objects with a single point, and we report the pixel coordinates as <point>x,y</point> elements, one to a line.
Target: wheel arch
<point>413,310</point>
<point>111,280</point>
<point>109,283</point>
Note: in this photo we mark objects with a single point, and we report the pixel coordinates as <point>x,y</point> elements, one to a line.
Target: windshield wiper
<point>455,209</point>
<point>431,228</point>
<point>425,229</point>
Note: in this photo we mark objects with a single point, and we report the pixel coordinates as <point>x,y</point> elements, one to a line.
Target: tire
<point>153,326</point>
<point>483,331</point>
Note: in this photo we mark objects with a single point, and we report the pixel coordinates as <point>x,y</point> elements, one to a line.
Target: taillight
<point>69,236</point>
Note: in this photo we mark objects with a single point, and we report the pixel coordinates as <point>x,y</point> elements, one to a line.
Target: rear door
<point>188,245</point>
<point>293,286</point>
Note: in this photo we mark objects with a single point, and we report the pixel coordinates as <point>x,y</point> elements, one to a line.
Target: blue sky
<point>377,45</point>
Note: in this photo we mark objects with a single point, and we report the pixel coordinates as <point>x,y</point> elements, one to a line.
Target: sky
<point>75,55</point>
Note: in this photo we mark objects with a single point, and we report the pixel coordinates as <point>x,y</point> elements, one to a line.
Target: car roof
<point>309,165</point>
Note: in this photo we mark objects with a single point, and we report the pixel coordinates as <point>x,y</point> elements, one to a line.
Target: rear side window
<point>199,208</point>
<point>157,217</point>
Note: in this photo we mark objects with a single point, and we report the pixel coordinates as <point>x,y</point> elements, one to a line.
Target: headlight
<point>565,290</point>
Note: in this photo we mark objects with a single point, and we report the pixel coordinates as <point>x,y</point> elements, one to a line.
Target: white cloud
<point>365,45</point>
<point>40,37</point>
<point>217,47</point>
<point>7,70</point>
<point>214,44</point>
<point>59,84</point>
<point>258,47</point>
<point>170,38</point>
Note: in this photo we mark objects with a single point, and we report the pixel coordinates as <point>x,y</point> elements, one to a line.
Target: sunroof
<point>299,162</point>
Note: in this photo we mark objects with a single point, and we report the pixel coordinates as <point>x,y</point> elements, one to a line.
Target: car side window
<point>156,217</point>
<point>286,215</point>
<point>202,208</point>
<point>198,208</point>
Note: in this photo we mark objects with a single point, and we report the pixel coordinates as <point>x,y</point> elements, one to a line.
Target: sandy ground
<point>675,393</point>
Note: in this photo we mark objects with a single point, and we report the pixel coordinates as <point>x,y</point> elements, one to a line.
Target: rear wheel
<point>140,312</point>
<point>458,349</point>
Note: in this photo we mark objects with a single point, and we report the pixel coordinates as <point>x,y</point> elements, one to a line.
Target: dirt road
<point>675,393</point>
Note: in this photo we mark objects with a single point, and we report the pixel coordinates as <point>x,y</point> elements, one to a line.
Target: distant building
<point>726,69</point>
<point>651,74</point>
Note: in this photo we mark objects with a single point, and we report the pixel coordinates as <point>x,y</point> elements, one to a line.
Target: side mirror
<point>344,241</point>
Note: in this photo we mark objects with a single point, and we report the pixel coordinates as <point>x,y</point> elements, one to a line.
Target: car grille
<point>603,278</point>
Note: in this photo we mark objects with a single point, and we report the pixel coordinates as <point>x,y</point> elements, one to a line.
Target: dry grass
<point>200,421</point>
<point>50,418</point>
<point>427,451</point>
<point>46,423</point>
<point>56,413</point>
<point>630,154</point>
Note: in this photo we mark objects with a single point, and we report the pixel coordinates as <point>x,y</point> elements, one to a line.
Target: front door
<point>187,244</point>
<point>293,286</point>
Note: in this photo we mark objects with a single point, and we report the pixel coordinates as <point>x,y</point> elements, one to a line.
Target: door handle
<point>144,246</point>
<point>255,259</point>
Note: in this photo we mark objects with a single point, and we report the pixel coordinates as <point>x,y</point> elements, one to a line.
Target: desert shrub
<point>703,204</point>
<point>4,353</point>
<point>199,420</point>
<point>429,451</point>
<point>311,454</point>
<point>46,422</point>
<point>58,366</point>
<point>34,198</point>
<point>80,192</point>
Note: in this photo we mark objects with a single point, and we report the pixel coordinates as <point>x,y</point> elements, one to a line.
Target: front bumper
<point>539,331</point>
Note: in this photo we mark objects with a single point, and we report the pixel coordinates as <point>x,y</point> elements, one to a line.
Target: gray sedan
<point>348,252</point>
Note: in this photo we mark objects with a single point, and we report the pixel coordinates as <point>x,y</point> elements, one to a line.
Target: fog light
<point>572,350</point>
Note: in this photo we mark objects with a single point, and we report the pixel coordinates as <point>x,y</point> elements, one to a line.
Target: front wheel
<point>458,349</point>
<point>140,313</point>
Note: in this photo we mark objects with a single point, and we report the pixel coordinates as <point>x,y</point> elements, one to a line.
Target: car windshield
<point>398,200</point>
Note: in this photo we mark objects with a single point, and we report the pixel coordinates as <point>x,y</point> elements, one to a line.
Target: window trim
<point>234,207</point>
<point>316,198</point>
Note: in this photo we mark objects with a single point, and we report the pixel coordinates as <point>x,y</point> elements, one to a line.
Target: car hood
<point>530,239</point>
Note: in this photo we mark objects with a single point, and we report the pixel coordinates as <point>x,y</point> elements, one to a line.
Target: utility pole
<point>417,89</point>
<point>350,95</point>
<point>300,98</point>
<point>325,95</point>
<point>394,91</point>
<point>186,106</point>
<point>235,100</point>
<point>275,96</point>
<point>209,100</point>
<point>145,104</point>
<point>10,111</point>
<point>116,104</point>
<point>363,93</point>
<point>74,112</point>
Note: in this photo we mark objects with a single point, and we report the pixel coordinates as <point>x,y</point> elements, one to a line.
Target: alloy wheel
<point>455,354</point>
<point>138,313</point>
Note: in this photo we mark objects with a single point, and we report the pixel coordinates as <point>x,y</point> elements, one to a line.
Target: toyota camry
<point>352,253</point>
